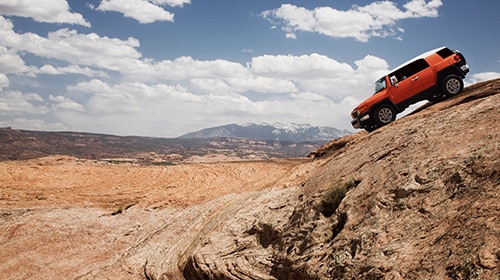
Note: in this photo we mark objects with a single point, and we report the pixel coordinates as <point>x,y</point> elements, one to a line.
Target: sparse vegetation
<point>121,209</point>
<point>333,197</point>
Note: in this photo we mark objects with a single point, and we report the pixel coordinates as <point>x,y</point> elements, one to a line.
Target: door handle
<point>414,79</point>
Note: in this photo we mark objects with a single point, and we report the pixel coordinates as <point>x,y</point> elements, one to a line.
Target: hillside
<point>278,132</point>
<point>419,200</point>
<point>18,144</point>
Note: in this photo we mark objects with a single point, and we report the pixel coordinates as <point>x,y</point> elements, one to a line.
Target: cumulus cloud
<point>51,11</point>
<point>12,63</point>
<point>4,81</point>
<point>73,47</point>
<point>71,69</point>
<point>143,11</point>
<point>304,66</point>
<point>65,103</point>
<point>18,103</point>
<point>484,76</point>
<point>172,3</point>
<point>377,19</point>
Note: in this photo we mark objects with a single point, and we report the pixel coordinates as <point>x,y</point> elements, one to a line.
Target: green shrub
<point>334,196</point>
<point>331,200</point>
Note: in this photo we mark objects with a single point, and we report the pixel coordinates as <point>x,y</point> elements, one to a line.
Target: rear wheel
<point>384,114</point>
<point>452,85</point>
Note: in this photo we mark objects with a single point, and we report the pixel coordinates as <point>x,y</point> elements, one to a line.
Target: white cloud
<point>361,23</point>
<point>72,47</point>
<point>65,103</point>
<point>262,85</point>
<point>172,3</point>
<point>420,8</point>
<point>309,96</point>
<point>51,11</point>
<point>186,67</point>
<point>484,76</point>
<point>305,66</point>
<point>321,74</point>
<point>11,62</point>
<point>4,81</point>
<point>71,69</point>
<point>141,10</point>
<point>18,103</point>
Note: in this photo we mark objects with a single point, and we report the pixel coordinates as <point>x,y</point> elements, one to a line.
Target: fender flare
<point>384,101</point>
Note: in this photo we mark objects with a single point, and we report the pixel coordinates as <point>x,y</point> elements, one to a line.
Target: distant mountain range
<point>236,142</point>
<point>264,131</point>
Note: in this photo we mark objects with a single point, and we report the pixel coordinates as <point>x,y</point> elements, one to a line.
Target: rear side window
<point>444,53</point>
<point>418,66</point>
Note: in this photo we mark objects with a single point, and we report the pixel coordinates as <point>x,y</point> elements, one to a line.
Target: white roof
<point>426,54</point>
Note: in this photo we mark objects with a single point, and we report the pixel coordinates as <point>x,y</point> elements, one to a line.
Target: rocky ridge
<point>420,201</point>
<point>425,206</point>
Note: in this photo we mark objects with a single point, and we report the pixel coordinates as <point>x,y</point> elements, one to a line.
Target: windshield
<point>380,85</point>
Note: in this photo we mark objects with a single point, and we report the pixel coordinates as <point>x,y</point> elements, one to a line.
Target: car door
<point>408,84</point>
<point>424,73</point>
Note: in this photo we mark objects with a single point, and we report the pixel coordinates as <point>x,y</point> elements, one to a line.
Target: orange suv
<point>434,76</point>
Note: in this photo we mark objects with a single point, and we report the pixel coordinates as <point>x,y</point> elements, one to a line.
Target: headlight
<point>364,118</point>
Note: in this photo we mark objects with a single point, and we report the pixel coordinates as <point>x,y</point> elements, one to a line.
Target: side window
<point>444,53</point>
<point>418,66</point>
<point>400,75</point>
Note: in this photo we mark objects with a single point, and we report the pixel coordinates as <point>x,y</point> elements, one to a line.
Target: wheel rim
<point>385,115</point>
<point>453,86</point>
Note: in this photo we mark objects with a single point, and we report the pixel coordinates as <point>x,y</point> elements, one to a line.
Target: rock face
<point>427,206</point>
<point>420,200</point>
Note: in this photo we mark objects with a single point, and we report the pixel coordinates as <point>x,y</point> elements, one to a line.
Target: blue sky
<point>167,67</point>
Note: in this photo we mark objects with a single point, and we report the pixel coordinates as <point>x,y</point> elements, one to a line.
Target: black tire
<point>452,85</point>
<point>384,114</point>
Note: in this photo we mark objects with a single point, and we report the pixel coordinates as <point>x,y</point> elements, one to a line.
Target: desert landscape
<point>421,200</point>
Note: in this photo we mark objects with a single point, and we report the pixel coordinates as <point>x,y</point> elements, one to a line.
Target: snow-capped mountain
<point>277,131</point>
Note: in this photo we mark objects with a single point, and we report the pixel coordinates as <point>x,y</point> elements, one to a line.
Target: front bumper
<point>355,123</point>
<point>360,121</point>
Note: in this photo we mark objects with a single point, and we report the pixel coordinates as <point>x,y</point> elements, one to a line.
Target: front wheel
<point>453,85</point>
<point>384,114</point>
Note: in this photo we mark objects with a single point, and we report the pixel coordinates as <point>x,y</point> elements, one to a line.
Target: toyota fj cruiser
<point>433,76</point>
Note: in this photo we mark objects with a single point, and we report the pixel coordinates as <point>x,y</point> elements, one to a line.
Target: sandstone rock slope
<point>417,199</point>
<point>425,205</point>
